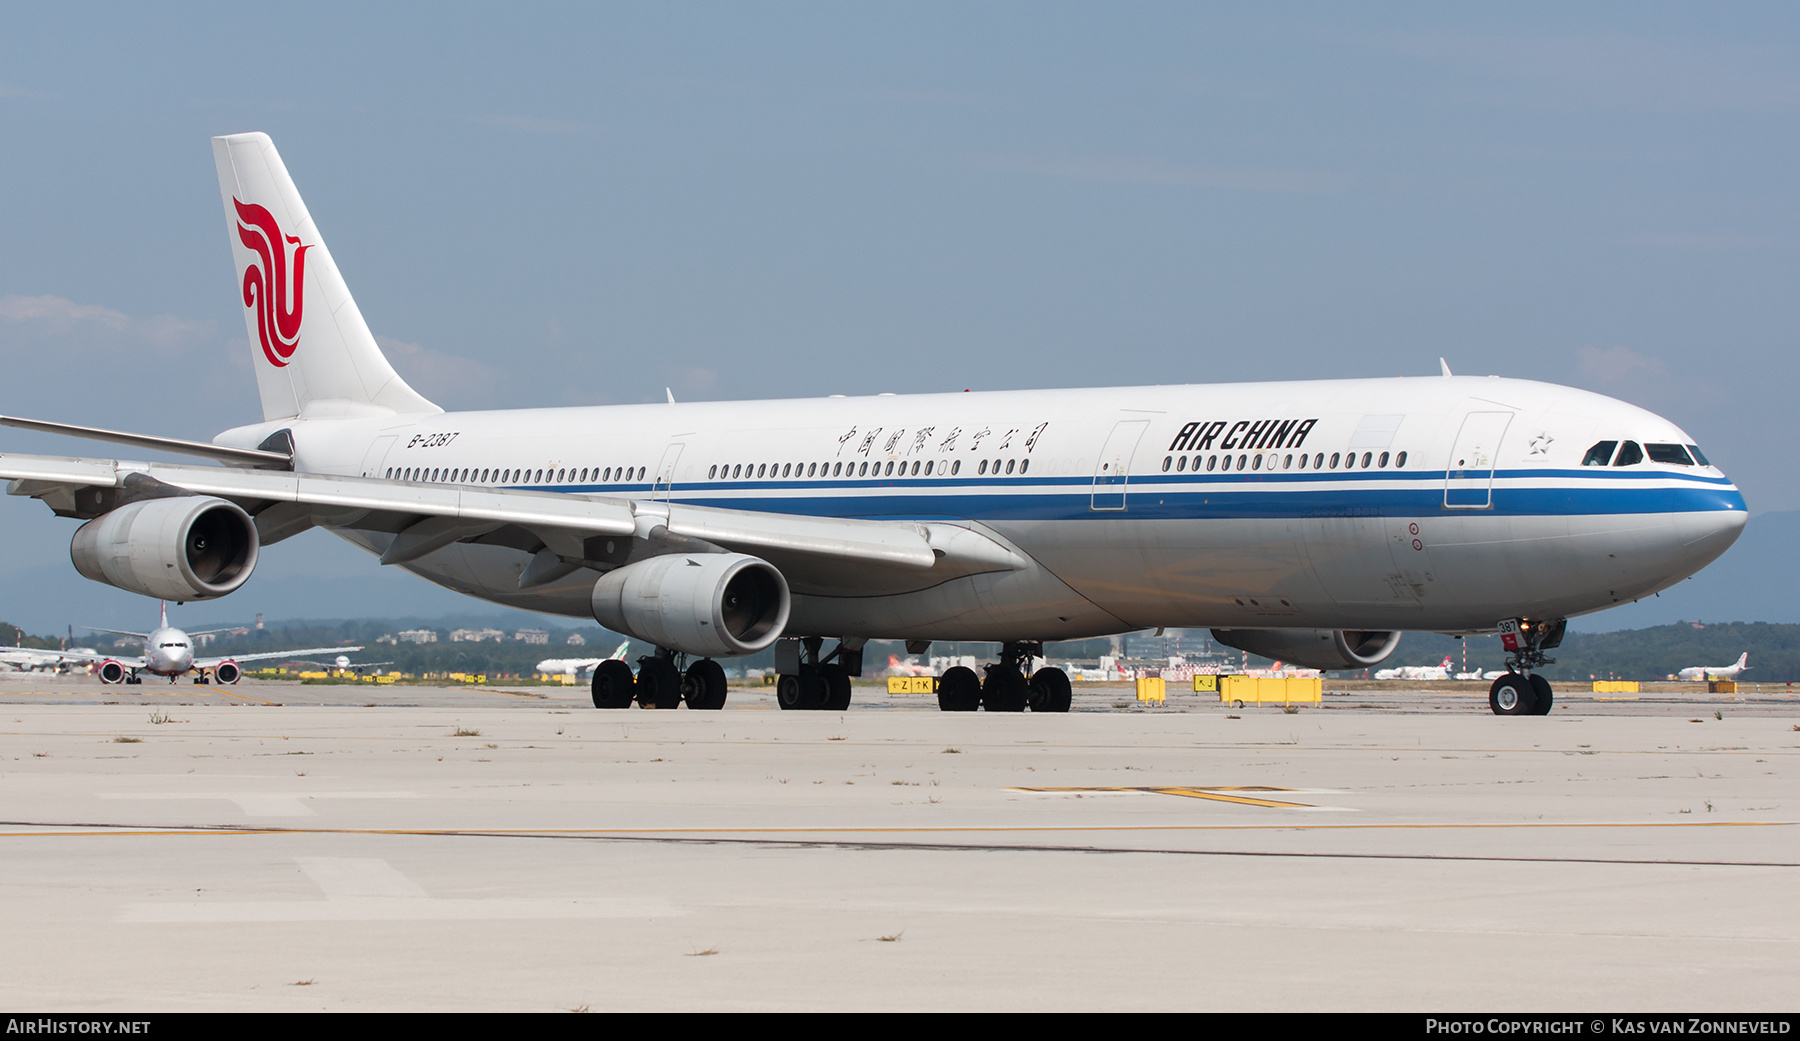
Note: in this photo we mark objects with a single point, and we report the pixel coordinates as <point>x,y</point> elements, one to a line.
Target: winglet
<point>1442,364</point>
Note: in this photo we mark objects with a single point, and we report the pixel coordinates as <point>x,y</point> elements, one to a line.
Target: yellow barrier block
<point>1721,686</point>
<point>1256,690</point>
<point>1206,684</point>
<point>384,679</point>
<point>1615,686</point>
<point>1152,688</point>
<point>769,679</point>
<point>315,675</point>
<point>912,684</point>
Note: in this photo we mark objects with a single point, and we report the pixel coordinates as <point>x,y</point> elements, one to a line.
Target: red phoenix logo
<point>267,287</point>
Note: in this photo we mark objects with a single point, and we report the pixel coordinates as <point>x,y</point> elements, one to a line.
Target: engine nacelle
<point>189,547</point>
<point>1314,648</point>
<point>227,672</point>
<point>111,672</point>
<point>710,604</point>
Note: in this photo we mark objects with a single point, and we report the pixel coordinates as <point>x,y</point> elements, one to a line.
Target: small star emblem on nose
<point>1540,445</point>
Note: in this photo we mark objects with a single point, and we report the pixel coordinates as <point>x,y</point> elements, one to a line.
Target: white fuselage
<point>1225,506</point>
<point>168,652</point>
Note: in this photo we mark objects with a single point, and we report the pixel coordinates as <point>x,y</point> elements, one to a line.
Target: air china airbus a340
<point>1309,521</point>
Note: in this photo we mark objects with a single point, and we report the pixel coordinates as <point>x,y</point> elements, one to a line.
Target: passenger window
<point>1303,462</point>
<point>1257,465</point>
<point>1382,461</point>
<point>982,469</point>
<point>1600,454</point>
<point>1366,457</point>
<point>1009,466</point>
<point>1210,461</point>
<point>1242,459</point>
<point>1168,461</point>
<point>1673,455</point>
<point>1629,454</point>
<point>928,463</point>
<point>955,467</point>
<point>1024,465</point>
<point>1400,460</point>
<point>1334,460</point>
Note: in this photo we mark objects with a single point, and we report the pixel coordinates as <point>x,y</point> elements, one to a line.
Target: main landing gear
<point>660,683</point>
<point>806,681</point>
<point>1522,692</point>
<point>1006,688</point>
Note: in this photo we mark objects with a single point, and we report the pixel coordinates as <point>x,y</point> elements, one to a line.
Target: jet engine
<point>710,604</point>
<point>187,547</point>
<point>227,672</point>
<point>111,672</point>
<point>1314,648</point>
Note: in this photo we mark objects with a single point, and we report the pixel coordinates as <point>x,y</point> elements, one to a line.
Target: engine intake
<point>1315,648</point>
<point>710,604</point>
<point>183,548</point>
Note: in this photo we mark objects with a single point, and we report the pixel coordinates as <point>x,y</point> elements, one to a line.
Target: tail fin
<point>321,362</point>
<point>1744,660</point>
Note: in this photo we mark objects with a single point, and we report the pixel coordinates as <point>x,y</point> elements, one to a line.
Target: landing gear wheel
<point>658,684</point>
<point>1545,698</point>
<point>805,691</point>
<point>614,686</point>
<point>1005,690</point>
<point>1050,691</point>
<point>959,690</point>
<point>837,687</point>
<point>1512,695</point>
<point>705,686</point>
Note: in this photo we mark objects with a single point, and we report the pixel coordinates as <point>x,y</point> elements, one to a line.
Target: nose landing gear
<point>1521,691</point>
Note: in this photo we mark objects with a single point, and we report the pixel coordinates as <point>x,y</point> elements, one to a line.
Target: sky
<point>585,204</point>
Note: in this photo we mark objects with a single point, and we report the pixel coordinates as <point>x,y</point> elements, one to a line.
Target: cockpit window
<point>1674,455</point>
<point>1699,456</point>
<point>1600,454</point>
<point>1629,455</point>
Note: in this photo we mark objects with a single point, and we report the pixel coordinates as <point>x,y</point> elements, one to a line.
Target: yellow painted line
<point>1213,794</point>
<point>946,830</point>
<point>245,697</point>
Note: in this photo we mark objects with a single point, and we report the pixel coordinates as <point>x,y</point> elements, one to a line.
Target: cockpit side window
<point>1674,455</point>
<point>1629,455</point>
<point>1600,454</point>
<point>1699,456</point>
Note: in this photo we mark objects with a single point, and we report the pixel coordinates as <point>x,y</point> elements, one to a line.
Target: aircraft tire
<point>1512,695</point>
<point>1005,690</point>
<point>1540,687</point>
<point>959,690</point>
<point>705,687</point>
<point>658,684</point>
<point>837,687</point>
<point>805,692</point>
<point>613,685</point>
<point>1050,691</point>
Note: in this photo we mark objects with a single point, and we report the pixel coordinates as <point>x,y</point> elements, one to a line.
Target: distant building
<point>576,640</point>
<point>532,636</point>
<point>419,636</point>
<point>476,635</point>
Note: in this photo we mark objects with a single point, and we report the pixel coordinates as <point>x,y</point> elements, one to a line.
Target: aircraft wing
<point>207,663</point>
<point>130,661</point>
<point>573,528</point>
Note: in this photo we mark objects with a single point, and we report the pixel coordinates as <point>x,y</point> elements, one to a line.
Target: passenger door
<point>1113,469</point>
<point>1469,474</point>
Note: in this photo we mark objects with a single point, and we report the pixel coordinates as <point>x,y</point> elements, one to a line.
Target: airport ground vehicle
<point>1312,521</point>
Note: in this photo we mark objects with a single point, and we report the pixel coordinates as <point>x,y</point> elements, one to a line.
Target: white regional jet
<point>1716,672</point>
<point>1440,671</point>
<point>577,666</point>
<point>1311,521</point>
<point>170,652</point>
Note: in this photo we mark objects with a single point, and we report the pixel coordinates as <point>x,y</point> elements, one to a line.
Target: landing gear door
<point>665,473</point>
<point>1469,475</point>
<point>1113,468</point>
